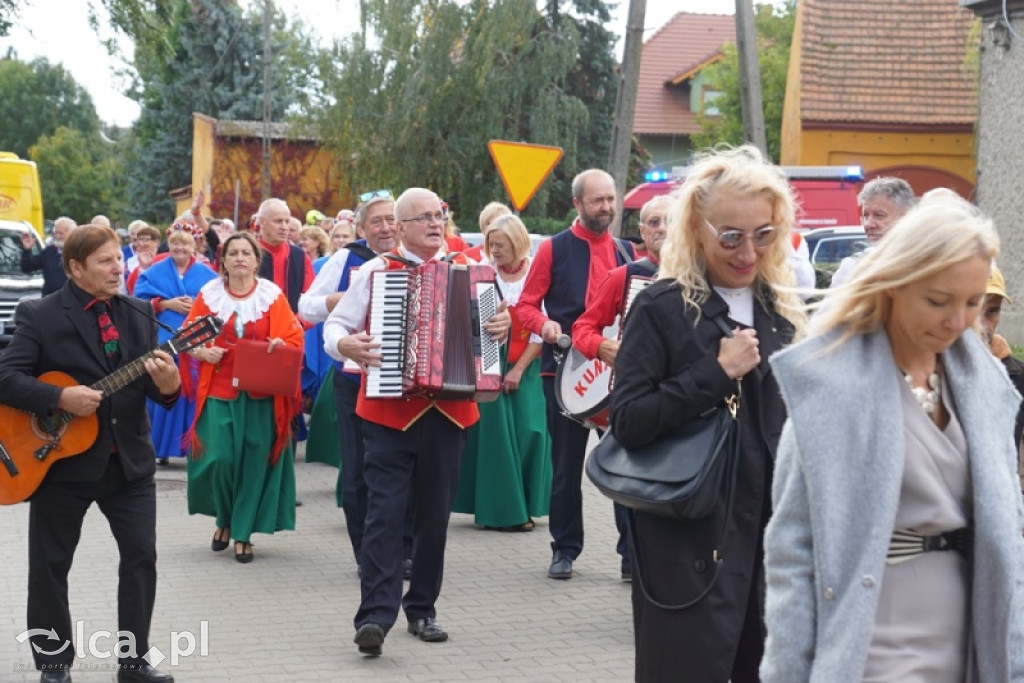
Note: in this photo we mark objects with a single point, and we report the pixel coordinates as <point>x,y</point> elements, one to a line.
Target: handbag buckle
<point>733,404</point>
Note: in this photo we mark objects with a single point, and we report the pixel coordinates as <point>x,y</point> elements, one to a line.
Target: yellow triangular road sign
<point>523,167</point>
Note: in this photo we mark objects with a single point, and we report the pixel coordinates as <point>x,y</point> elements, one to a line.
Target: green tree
<point>215,67</point>
<point>594,82</point>
<point>8,13</point>
<point>77,174</point>
<point>774,26</point>
<point>443,77</point>
<point>37,98</point>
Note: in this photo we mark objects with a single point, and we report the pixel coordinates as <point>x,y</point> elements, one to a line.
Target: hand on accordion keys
<point>499,325</point>
<point>362,349</point>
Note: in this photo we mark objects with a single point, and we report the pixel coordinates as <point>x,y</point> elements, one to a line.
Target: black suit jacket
<point>54,333</point>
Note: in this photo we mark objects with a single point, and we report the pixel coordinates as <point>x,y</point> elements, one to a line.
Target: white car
<point>14,284</point>
<point>829,246</point>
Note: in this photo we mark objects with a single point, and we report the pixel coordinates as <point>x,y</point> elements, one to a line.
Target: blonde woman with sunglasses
<point>724,264</point>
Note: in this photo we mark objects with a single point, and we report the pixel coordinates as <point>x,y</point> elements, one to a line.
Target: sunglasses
<point>367,196</point>
<point>733,239</point>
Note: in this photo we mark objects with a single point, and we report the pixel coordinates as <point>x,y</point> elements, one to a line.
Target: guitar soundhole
<point>49,426</point>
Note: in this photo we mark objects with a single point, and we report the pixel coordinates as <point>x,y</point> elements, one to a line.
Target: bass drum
<point>581,388</point>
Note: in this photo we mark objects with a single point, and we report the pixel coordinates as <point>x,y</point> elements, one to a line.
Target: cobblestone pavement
<point>288,615</point>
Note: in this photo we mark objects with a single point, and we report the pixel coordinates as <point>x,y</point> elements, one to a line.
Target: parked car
<point>14,284</point>
<point>829,246</point>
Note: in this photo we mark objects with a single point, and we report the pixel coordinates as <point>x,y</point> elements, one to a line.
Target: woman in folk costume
<point>505,476</point>
<point>171,285</point>
<point>242,469</point>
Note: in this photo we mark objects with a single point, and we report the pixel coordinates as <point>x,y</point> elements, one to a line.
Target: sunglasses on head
<point>732,239</point>
<point>367,196</point>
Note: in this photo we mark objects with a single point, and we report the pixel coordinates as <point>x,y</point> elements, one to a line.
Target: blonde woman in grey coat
<point>894,552</point>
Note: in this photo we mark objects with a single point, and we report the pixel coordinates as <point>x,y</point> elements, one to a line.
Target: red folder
<point>260,372</point>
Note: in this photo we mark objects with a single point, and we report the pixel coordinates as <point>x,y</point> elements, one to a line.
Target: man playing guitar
<point>85,330</point>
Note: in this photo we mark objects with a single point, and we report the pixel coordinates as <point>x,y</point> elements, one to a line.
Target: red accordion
<point>429,322</point>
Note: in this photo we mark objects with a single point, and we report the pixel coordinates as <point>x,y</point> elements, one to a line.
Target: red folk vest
<point>401,413</point>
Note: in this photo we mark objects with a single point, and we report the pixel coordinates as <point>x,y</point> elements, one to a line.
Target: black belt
<point>905,544</point>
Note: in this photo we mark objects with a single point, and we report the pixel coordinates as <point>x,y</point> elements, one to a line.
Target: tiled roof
<point>879,61</point>
<point>685,42</point>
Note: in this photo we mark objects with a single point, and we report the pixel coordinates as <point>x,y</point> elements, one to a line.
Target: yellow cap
<point>312,216</point>
<point>996,284</point>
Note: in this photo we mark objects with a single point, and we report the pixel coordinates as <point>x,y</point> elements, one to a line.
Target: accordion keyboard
<point>388,327</point>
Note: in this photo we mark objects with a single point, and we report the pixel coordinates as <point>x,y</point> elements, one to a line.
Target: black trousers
<point>55,525</point>
<point>353,487</point>
<point>568,452</point>
<point>422,462</point>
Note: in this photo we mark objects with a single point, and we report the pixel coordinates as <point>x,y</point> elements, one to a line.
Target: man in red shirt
<point>608,302</point>
<point>563,279</point>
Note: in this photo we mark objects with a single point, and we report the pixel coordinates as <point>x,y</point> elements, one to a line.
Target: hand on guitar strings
<point>499,325</point>
<point>79,400</point>
<point>361,349</point>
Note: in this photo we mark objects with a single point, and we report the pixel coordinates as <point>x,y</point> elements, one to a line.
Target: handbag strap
<point>717,557</point>
<point>732,404</point>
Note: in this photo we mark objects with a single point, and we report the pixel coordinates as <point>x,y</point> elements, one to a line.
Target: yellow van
<point>20,198</point>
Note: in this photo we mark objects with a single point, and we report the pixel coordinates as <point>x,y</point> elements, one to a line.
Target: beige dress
<point>921,627</point>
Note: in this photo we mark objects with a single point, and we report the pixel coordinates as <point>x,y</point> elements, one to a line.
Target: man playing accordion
<point>413,445</point>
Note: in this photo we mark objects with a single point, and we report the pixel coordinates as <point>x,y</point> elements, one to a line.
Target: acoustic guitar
<point>31,443</point>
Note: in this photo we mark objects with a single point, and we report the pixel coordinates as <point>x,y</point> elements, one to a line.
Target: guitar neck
<point>124,376</point>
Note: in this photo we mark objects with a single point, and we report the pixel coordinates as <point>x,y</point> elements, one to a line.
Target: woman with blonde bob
<point>505,476</point>
<point>724,262</point>
<point>895,552</point>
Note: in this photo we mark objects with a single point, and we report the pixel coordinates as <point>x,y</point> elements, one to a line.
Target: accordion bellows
<point>429,322</point>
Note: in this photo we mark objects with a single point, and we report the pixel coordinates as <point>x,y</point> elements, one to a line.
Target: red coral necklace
<point>513,270</point>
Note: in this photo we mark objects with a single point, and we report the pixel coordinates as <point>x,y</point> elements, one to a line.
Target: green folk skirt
<point>232,479</point>
<point>505,477</point>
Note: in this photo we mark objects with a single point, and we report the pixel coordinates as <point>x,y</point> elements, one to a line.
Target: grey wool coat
<point>836,490</point>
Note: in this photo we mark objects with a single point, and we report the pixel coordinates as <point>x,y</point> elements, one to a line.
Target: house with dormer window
<point>672,88</point>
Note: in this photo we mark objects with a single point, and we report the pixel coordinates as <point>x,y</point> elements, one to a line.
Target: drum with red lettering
<point>581,388</point>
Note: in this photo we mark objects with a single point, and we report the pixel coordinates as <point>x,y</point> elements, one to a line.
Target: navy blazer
<point>49,261</point>
<point>55,333</point>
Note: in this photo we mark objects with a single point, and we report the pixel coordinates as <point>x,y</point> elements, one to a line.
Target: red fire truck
<point>826,195</point>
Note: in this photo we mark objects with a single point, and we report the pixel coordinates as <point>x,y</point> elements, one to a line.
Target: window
<point>708,97</point>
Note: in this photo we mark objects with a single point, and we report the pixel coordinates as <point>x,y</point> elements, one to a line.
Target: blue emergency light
<point>656,176</point>
<point>854,173</point>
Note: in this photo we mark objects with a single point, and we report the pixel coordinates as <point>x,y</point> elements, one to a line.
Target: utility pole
<point>267,109</point>
<point>625,106</point>
<point>750,76</point>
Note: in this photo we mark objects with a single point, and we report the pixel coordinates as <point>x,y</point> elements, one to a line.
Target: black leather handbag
<point>681,475</point>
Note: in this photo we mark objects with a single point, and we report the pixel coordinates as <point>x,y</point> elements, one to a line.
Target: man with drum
<point>563,280</point>
<point>413,447</point>
<point>609,302</point>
